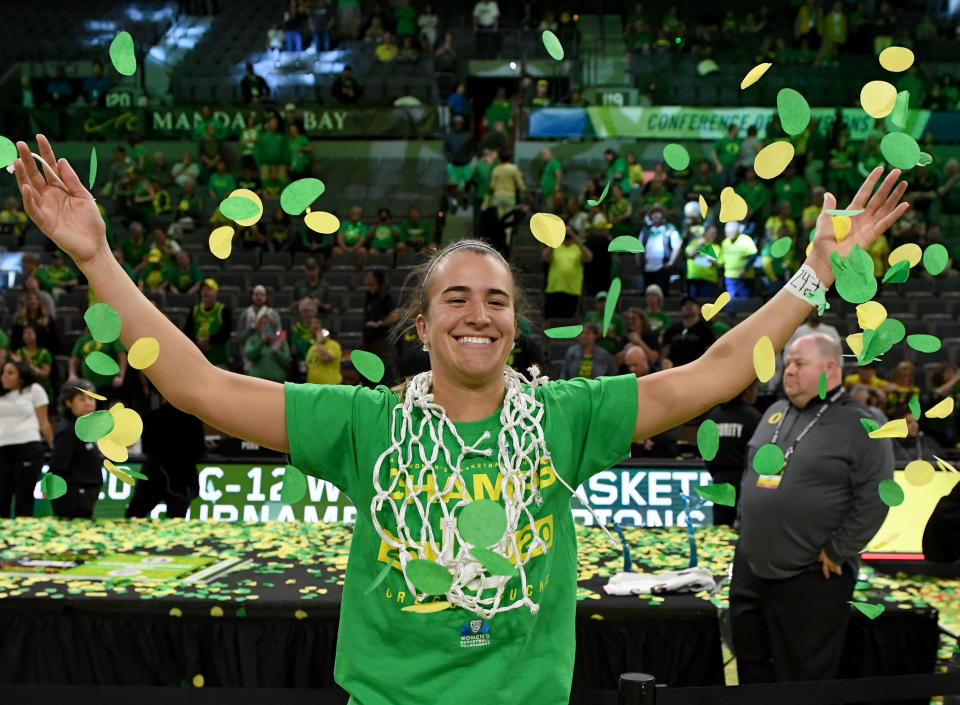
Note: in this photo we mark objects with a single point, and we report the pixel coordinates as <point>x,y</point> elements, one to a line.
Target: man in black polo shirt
<point>686,341</point>
<point>802,527</point>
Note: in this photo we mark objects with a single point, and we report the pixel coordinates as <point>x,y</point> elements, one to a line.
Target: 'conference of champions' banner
<point>703,123</point>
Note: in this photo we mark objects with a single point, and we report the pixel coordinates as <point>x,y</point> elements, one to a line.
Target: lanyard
<point>813,422</point>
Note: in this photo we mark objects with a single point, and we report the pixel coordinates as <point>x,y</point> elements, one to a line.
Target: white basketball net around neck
<point>520,448</point>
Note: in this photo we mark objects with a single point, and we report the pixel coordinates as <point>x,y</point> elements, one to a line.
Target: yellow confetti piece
<point>247,193</point>
<point>117,472</point>
<point>892,429</point>
<point>198,681</point>
<point>754,74</point>
<point>918,473</point>
<point>597,617</point>
<point>708,311</point>
<point>886,540</point>
<point>773,159</point>
<point>321,222</point>
<point>703,206</point>
<point>870,315</point>
<point>841,226</point>
<point>941,410</point>
<point>216,611</point>
<point>764,359</point>
<point>143,353</point>
<point>175,612</point>
<point>944,465</point>
<point>896,59</point>
<point>809,248</point>
<point>221,241</point>
<point>300,614</point>
<point>732,206</point>
<point>92,395</point>
<point>114,451</point>
<point>855,343</point>
<point>548,229</point>
<point>877,98</point>
<point>427,607</point>
<point>127,425</point>
<point>910,252</point>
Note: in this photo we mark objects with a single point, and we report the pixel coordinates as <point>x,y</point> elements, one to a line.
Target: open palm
<point>72,220</point>
<point>880,211</point>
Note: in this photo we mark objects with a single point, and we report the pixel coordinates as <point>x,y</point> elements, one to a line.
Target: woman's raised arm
<point>247,407</point>
<point>672,397</point>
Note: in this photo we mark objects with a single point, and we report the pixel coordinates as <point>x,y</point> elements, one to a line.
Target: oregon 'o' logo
<point>775,417</point>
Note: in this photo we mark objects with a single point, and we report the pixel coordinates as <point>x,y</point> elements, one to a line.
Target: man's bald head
<point>637,361</point>
<point>808,358</point>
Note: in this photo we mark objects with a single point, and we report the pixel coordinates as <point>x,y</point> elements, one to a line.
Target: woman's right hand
<point>72,220</point>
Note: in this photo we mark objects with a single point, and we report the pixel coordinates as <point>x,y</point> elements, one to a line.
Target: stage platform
<point>269,620</point>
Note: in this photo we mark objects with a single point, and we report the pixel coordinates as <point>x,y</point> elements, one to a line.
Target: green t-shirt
<point>182,281</point>
<point>84,346</point>
<point>406,20</point>
<point>272,148</point>
<point>794,191</point>
<point>221,184</point>
<point>57,275</point>
<point>588,425</point>
<point>548,182</point>
<point>153,275</point>
<point>617,328</point>
<point>207,323</point>
<point>134,252</point>
<point>353,232</point>
<point>421,230</point>
<point>756,195</point>
<point>382,238</point>
<point>727,150</point>
<point>39,358</point>
<point>658,321</point>
<point>482,172</point>
<point>619,166</point>
<point>498,111</point>
<point>299,161</point>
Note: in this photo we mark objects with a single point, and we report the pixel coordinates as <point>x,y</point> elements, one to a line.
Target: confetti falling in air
<point>127,425</point>
<point>294,485</point>
<point>676,156</point>
<point>871,314</point>
<point>102,364</point>
<point>910,252</point>
<point>548,229</point>
<point>239,208</point>
<point>703,205</point>
<point>935,259</point>
<point>482,523</point>
<point>918,473</point>
<point>429,577</point>
<point>92,395</point>
<point>709,310</point>
<point>103,322</point>
<point>93,167</point>
<point>892,429</point>
<point>877,98</point>
<point>53,486</point>
<point>563,332</point>
<point>768,460</point>
<point>221,241</point>
<point>322,222</point>
<point>877,342</point>
<point>368,364</point>
<point>603,194</point>
<point>724,493</point>
<point>296,197</point>
<point>552,45</point>
<point>794,111</point>
<point>854,274</point>
<point>898,273</point>
<point>754,74</point>
<point>896,59</point>
<point>610,307</point>
<point>890,492</point>
<point>114,451</point>
<point>900,150</point>
<point>143,353</point>
<point>764,359</point>
<point>780,246</point>
<point>941,410</point>
<point>850,212</point>
<point>625,243</point>
<point>732,206</point>
<point>493,562</point>
<point>708,439</point>
<point>8,152</point>
<point>93,426</point>
<point>924,343</point>
<point>870,610</point>
<point>122,54</point>
<point>901,109</point>
<point>117,472</point>
<point>773,159</point>
<point>841,226</point>
<point>250,195</point>
<point>822,385</point>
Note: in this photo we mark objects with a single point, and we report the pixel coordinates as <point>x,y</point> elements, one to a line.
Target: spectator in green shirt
<point>221,183</point>
<point>702,183</point>
<point>267,351</point>
<point>658,319</point>
<point>551,181</point>
<point>482,173</point>
<point>725,154</point>
<point>415,233</point>
<point>40,359</point>
<point>618,172</point>
<point>311,288</point>
<point>152,277</point>
<point>612,341</point>
<point>106,385</point>
<point>384,234</point>
<point>184,277</point>
<point>206,118</point>
<point>793,189</point>
<point>272,152</point>
<point>499,110</point>
<point>406,20</point>
<point>352,236</point>
<point>189,205</point>
<point>755,193</point>
<point>301,153</point>
<point>135,247</point>
<point>59,276</point>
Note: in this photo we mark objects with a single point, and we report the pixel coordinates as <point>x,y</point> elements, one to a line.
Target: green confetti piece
<point>53,486</point>
<point>613,295</point>
<point>870,610</point>
<point>625,243</point>
<point>924,159</point>
<point>296,197</point>
<point>93,167</point>
<point>898,273</point>
<point>102,364</point>
<point>8,152</point>
<point>914,406</point>
<point>780,247</point>
<point>134,473</point>
<point>708,439</point>
<point>924,343</point>
<point>368,364</point>
<point>844,211</point>
<point>869,425</point>
<point>900,150</point>
<point>603,195</point>
<point>564,331</point>
<point>676,156</point>
<point>429,577</point>
<point>708,250</point>
<point>493,563</point>
<point>878,341</point>
<point>822,385</point>
<point>238,208</point>
<point>890,493</point>
<point>794,111</point>
<point>901,109</point>
<point>104,322</point>
<point>935,258</point>
<point>482,522</point>
<point>294,485</point>
<point>241,612</point>
<point>91,427</point>
<point>381,576</point>
<point>854,274</point>
<point>122,54</point>
<point>818,298</point>
<point>552,45</point>
<point>723,493</point>
<point>768,460</point>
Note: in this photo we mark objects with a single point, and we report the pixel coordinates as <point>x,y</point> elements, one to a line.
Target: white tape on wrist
<point>804,282</point>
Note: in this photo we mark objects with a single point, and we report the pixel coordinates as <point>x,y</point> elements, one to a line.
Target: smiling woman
<point>468,469</point>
